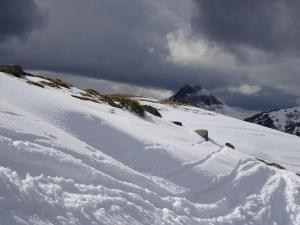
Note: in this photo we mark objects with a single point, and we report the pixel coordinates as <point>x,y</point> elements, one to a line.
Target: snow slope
<point>68,161</point>
<point>257,141</point>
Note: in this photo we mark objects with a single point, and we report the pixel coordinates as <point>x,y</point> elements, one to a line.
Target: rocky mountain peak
<point>195,95</point>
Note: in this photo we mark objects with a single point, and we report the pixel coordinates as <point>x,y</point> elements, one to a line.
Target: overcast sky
<point>246,52</point>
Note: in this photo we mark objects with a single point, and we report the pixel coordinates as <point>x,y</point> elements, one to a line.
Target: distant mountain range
<point>286,120</point>
<point>202,98</point>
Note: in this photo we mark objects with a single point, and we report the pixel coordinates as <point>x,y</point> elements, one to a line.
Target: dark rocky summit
<point>196,96</point>
<point>200,97</point>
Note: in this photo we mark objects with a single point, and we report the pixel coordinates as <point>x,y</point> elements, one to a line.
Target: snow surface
<point>68,161</point>
<point>257,141</point>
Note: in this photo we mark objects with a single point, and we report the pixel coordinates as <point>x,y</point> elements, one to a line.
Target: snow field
<point>67,161</point>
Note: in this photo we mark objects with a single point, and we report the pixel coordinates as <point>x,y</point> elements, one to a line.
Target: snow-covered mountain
<point>285,120</point>
<point>69,157</point>
<point>200,97</point>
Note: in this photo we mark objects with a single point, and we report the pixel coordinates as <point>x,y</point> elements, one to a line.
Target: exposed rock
<point>152,110</point>
<point>203,133</point>
<point>49,84</point>
<point>272,164</point>
<point>285,120</point>
<point>35,83</point>
<point>262,119</point>
<point>15,70</point>
<point>113,104</point>
<point>85,94</point>
<point>85,98</point>
<point>62,83</point>
<point>91,92</point>
<point>230,145</point>
<point>30,74</point>
<point>57,83</point>
<point>177,123</point>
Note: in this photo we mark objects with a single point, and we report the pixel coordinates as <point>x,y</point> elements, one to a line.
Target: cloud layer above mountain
<point>249,48</point>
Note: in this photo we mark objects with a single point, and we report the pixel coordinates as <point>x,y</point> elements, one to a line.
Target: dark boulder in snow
<point>152,110</point>
<point>35,83</point>
<point>177,123</point>
<point>15,70</point>
<point>230,145</point>
<point>203,133</point>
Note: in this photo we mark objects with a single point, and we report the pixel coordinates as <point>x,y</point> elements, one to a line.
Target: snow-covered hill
<point>285,120</point>
<point>64,160</point>
<point>197,96</point>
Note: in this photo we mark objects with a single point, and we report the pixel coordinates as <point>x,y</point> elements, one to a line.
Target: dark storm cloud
<point>18,18</point>
<point>127,41</point>
<point>268,25</point>
<point>115,40</point>
<point>103,38</point>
